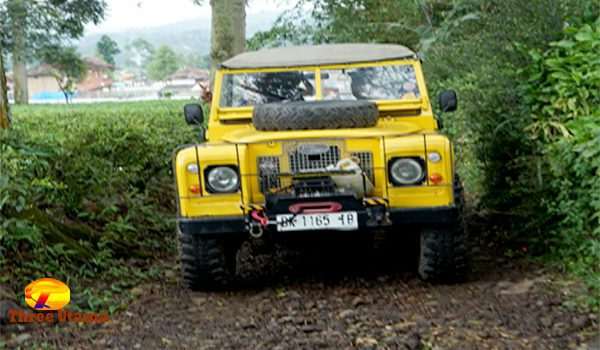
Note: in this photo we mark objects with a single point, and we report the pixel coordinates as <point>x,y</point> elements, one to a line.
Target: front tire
<point>207,263</point>
<point>443,249</point>
<point>443,255</point>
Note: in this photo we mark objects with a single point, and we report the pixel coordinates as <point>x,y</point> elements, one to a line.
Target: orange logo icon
<point>47,294</point>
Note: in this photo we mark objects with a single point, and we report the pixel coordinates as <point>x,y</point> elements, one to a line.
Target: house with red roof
<point>98,77</point>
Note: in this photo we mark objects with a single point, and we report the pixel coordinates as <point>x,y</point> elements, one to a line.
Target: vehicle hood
<point>254,136</point>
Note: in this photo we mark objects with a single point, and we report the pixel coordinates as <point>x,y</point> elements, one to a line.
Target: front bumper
<point>367,219</point>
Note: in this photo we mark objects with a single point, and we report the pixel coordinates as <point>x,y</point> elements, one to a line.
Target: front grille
<point>306,163</point>
<point>365,161</point>
<point>268,173</point>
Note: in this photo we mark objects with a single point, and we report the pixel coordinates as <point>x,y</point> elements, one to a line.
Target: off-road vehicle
<point>318,139</point>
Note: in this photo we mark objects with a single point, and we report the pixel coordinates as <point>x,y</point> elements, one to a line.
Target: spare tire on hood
<point>315,115</point>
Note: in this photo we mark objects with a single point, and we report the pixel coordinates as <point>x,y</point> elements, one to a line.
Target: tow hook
<point>257,226</point>
<point>256,231</point>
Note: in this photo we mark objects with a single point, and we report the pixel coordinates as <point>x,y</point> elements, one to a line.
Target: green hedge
<point>87,189</point>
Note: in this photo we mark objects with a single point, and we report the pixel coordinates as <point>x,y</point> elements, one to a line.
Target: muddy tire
<point>315,115</point>
<point>443,249</point>
<point>207,263</point>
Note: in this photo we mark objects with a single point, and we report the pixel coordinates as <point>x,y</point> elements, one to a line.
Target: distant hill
<point>191,36</point>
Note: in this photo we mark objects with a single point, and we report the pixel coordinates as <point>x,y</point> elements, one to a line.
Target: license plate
<point>347,220</point>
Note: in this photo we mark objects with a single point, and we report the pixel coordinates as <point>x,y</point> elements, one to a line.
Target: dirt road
<point>347,300</point>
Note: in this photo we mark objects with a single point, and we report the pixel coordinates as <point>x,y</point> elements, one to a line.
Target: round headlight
<point>223,179</point>
<point>406,171</point>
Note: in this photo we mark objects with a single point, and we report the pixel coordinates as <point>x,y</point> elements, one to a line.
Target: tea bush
<point>86,190</point>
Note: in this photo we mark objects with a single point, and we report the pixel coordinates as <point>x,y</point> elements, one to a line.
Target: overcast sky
<point>124,14</point>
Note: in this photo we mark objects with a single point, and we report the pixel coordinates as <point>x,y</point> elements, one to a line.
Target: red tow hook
<point>260,216</point>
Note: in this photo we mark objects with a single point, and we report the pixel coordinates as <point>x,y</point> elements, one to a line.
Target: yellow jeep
<point>318,139</point>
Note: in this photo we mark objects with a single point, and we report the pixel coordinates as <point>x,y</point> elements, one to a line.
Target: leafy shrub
<point>564,82</point>
<point>564,95</point>
<point>574,240</point>
<point>85,187</point>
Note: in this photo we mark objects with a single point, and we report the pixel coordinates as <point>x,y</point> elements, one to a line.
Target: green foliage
<point>163,63</point>
<point>86,191</point>
<point>482,59</point>
<point>107,48</point>
<point>564,95</point>
<point>574,180</point>
<point>48,22</point>
<point>527,126</point>
<point>564,82</point>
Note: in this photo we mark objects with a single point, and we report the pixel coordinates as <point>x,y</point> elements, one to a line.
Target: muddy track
<point>353,298</point>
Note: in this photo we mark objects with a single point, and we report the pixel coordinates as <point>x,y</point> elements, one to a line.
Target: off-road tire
<point>443,249</point>
<point>207,263</point>
<point>315,115</point>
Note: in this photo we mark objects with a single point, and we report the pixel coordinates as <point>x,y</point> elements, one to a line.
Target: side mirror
<point>448,101</point>
<point>193,114</point>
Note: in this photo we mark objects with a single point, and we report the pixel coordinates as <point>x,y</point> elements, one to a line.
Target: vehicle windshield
<point>387,82</point>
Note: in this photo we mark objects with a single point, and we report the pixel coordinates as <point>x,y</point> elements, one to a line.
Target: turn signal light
<point>435,178</point>
<point>196,189</point>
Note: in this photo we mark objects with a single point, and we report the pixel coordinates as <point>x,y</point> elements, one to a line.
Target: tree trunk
<point>18,15</point>
<point>228,30</point>
<point>4,111</point>
<point>238,17</point>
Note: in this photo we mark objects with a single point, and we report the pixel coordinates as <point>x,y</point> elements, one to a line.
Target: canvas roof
<point>295,56</point>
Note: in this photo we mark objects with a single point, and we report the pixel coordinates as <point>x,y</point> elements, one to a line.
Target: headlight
<point>222,179</point>
<point>406,171</point>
